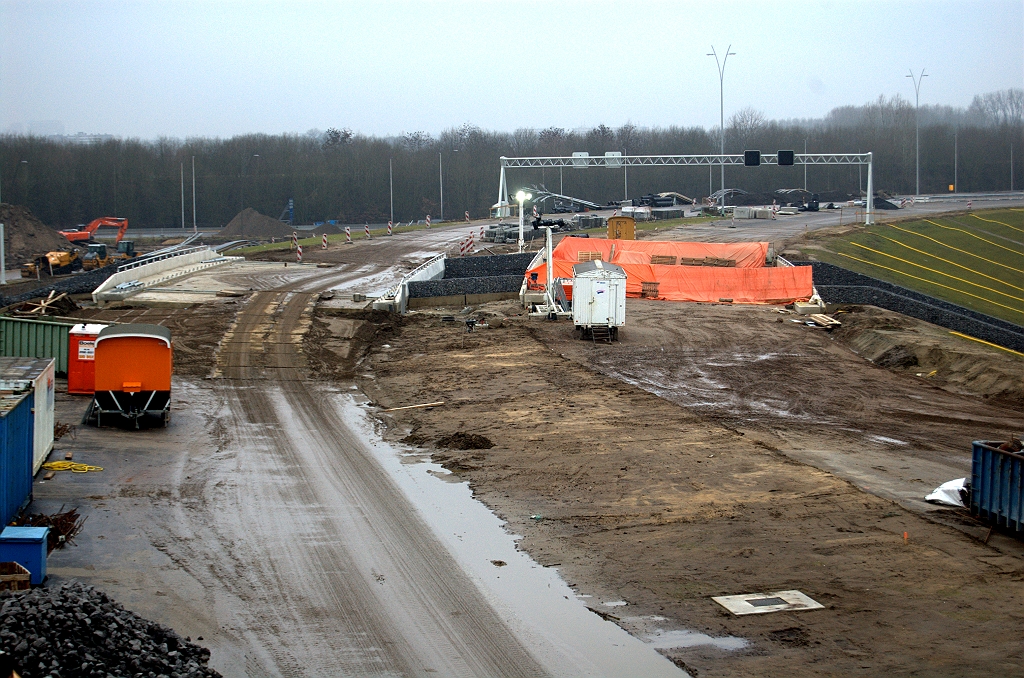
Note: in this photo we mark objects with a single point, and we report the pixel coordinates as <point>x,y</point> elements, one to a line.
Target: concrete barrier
<point>149,274</point>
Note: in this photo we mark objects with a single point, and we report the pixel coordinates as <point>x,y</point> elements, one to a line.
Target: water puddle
<point>535,602</point>
<point>671,640</point>
<point>887,441</point>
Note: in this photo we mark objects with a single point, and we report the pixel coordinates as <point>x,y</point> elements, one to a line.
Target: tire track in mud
<point>332,568</point>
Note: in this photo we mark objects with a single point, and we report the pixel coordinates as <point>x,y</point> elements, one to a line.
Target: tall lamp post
<point>440,183</point>
<point>721,104</point>
<point>522,197</point>
<point>917,125</point>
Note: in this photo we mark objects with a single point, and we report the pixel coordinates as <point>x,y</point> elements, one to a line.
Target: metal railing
<point>392,292</point>
<point>142,261</point>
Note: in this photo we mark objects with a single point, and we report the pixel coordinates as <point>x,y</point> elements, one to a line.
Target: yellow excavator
<point>58,262</point>
<point>97,255</point>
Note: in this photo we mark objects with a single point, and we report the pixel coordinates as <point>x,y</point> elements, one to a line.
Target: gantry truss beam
<point>616,161</point>
<point>736,159</point>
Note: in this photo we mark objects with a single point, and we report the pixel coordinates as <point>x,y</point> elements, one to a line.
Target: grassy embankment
<point>975,259</point>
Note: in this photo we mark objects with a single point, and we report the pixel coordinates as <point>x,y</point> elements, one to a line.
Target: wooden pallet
<point>14,577</point>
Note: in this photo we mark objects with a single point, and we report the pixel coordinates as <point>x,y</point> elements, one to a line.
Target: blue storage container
<point>997,486</point>
<point>16,445</point>
<point>27,547</point>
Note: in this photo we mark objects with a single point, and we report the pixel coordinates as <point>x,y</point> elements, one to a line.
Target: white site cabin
<point>598,299</point>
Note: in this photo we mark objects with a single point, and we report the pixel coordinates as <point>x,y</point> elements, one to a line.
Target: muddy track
<point>335,571</point>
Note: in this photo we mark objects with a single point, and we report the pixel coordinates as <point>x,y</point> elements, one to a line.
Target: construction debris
<point>414,407</point>
<point>64,526</point>
<point>53,304</point>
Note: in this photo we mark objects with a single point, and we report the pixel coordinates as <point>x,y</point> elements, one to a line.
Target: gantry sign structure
<point>615,160</point>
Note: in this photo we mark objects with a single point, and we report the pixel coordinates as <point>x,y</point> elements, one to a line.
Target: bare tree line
<point>339,174</point>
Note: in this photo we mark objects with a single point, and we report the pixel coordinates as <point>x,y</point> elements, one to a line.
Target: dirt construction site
<point>343,491</point>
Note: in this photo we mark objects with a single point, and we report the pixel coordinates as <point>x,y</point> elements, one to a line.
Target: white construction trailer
<point>598,300</point>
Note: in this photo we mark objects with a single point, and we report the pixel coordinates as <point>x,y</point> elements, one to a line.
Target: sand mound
<point>25,237</point>
<point>251,224</point>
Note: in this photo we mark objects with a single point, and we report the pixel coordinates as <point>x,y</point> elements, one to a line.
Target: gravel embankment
<point>838,285</point>
<point>496,274</point>
<point>75,630</point>
<point>80,283</point>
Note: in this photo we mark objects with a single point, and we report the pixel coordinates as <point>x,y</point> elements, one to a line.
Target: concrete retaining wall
<point>838,285</point>
<point>462,300</point>
<point>463,286</point>
<point>149,274</point>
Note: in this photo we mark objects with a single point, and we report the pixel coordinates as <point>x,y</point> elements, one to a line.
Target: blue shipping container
<point>16,444</point>
<point>997,486</point>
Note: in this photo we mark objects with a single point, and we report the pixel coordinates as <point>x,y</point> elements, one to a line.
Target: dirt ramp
<point>25,237</point>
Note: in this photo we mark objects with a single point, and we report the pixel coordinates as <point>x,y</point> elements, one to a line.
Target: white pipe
<point>522,242</point>
<point>547,246</point>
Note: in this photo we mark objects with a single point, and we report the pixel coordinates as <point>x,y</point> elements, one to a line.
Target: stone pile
<point>75,630</point>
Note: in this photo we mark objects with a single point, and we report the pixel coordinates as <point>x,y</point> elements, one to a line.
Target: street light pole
<point>917,124</point>
<point>721,104</point>
<point>956,184</point>
<point>522,197</point>
<point>440,182</point>
<point>194,230</point>
<point>391,185</point>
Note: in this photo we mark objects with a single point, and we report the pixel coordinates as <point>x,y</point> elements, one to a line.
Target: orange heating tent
<point>750,282</point>
<point>745,254</point>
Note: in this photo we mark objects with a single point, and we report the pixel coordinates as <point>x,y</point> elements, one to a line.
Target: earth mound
<point>25,237</point>
<point>251,224</point>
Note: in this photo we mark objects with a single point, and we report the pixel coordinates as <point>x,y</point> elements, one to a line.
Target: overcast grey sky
<point>217,68</point>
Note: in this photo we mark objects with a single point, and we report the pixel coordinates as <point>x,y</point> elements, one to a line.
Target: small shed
<point>133,374</point>
<point>598,299</point>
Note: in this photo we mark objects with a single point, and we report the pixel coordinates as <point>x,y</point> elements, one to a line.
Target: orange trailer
<point>133,374</point>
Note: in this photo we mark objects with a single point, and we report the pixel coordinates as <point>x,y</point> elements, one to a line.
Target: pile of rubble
<point>75,630</point>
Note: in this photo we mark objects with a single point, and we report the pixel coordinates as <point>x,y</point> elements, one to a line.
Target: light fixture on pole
<point>917,126</point>
<point>721,105</point>
<point>522,197</point>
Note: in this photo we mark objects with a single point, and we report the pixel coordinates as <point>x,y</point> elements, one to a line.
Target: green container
<point>24,338</point>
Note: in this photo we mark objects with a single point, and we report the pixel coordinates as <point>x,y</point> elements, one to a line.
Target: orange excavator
<point>81,235</point>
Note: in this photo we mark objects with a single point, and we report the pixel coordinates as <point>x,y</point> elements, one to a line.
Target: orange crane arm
<point>120,223</point>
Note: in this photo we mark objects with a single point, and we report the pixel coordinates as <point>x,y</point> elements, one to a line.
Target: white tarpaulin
<point>948,494</point>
